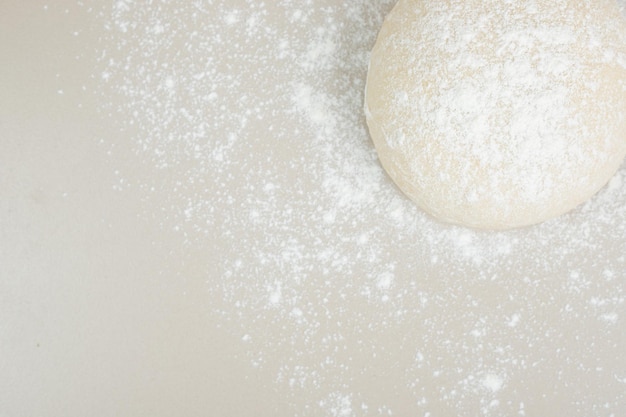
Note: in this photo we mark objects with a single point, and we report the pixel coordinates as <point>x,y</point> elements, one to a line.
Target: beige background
<point>193,222</point>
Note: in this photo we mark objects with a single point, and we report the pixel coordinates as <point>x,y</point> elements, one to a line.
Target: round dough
<point>499,114</point>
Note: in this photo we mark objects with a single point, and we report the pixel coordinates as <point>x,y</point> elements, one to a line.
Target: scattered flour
<point>249,116</point>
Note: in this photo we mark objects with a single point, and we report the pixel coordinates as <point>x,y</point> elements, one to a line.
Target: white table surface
<point>193,222</point>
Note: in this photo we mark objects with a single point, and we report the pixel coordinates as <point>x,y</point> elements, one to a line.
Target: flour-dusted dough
<point>499,113</point>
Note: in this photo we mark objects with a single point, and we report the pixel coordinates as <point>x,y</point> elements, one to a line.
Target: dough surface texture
<point>499,114</point>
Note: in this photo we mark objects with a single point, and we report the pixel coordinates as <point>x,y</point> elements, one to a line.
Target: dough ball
<point>499,114</point>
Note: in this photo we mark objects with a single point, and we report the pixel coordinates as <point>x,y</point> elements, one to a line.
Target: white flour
<point>250,115</point>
